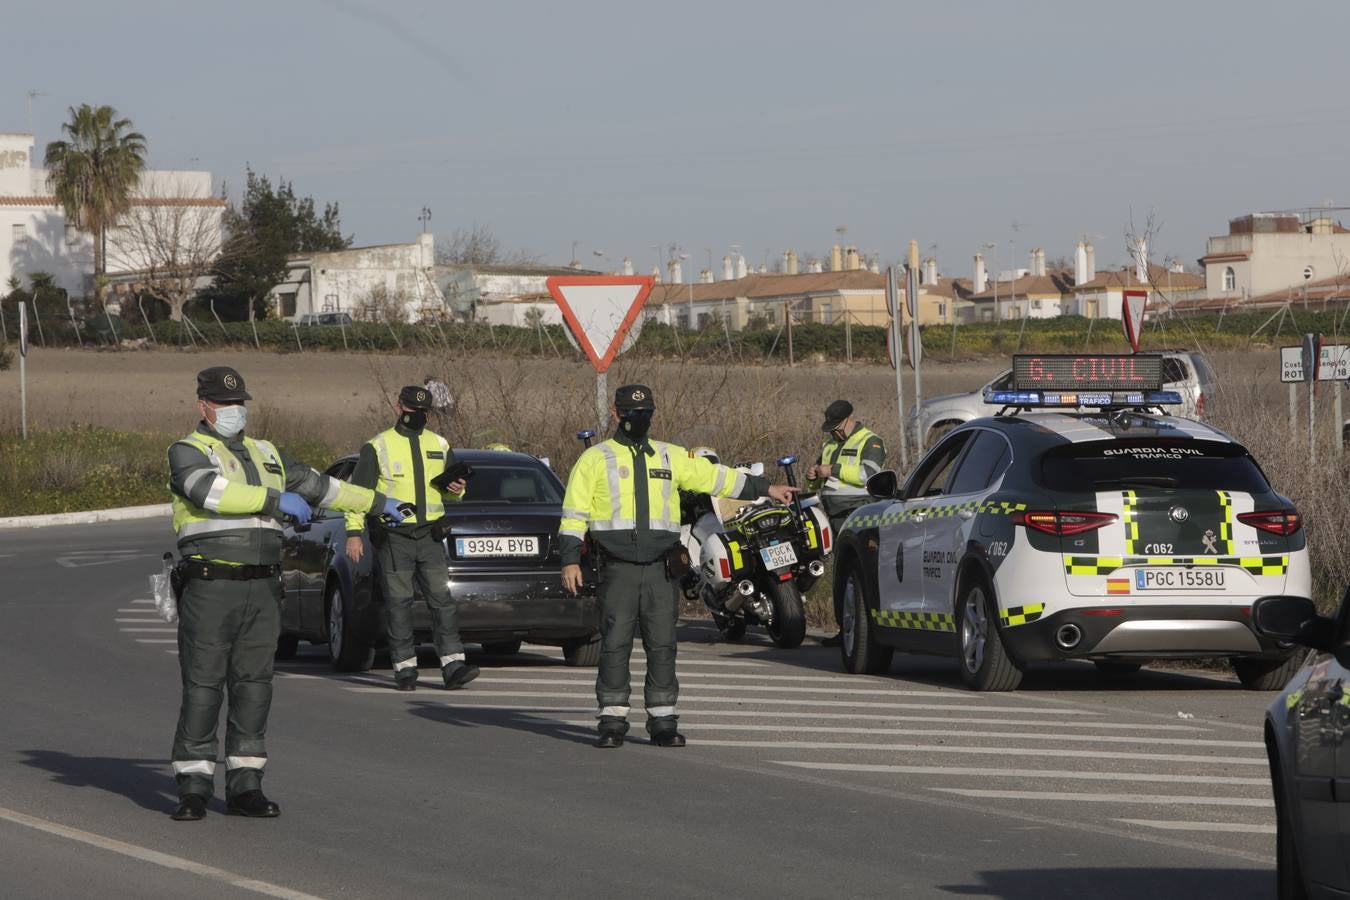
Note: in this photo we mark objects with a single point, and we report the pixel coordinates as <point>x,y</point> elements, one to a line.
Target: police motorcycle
<point>753,566</point>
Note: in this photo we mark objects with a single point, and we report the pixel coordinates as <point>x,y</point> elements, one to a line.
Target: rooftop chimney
<point>1091,253</point>
<point>815,266</point>
<point>656,273</point>
<point>1141,261</point>
<point>981,279</point>
<point>728,270</point>
<point>790,262</point>
<point>874,266</point>
<point>705,276</point>
<point>930,271</point>
<point>836,258</point>
<point>1037,262</point>
<point>627,265</point>
<point>851,259</point>
<point>1080,265</point>
<point>676,276</point>
<point>741,270</point>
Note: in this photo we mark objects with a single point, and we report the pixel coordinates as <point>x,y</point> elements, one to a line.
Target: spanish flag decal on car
<point>1117,586</point>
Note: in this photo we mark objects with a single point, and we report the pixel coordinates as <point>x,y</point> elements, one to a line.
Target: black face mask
<point>415,420</point>
<point>636,424</point>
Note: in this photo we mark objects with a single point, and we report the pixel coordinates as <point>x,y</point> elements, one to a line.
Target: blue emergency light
<point>787,460</point>
<point>1092,399</point>
<point>1092,380</point>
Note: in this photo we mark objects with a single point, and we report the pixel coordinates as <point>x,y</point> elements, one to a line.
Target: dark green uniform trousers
<point>227,636</point>
<point>402,563</point>
<point>636,597</point>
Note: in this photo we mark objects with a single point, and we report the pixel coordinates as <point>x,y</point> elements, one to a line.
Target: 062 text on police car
<point>1177,579</point>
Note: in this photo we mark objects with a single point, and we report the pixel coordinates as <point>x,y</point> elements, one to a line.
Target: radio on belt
<point>1097,380</point>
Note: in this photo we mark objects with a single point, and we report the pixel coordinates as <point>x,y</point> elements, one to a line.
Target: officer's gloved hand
<point>294,506</point>
<point>392,511</point>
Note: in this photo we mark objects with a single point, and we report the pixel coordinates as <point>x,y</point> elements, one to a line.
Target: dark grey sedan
<point>502,563</point>
<point>1306,740</point>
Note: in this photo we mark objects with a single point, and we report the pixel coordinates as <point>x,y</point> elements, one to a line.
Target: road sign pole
<point>1293,407</point>
<point>23,369</point>
<point>915,347</point>
<point>1312,422</point>
<point>1336,426</point>
<point>896,353</point>
<point>602,401</point>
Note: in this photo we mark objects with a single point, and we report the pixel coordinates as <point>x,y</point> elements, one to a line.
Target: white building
<point>1264,253</point>
<point>34,234</point>
<point>388,280</point>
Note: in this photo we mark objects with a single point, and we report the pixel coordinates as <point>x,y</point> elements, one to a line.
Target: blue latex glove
<point>295,507</point>
<point>392,512</point>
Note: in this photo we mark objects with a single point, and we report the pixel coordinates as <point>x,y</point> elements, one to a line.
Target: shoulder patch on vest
<point>852,452</point>
<point>435,454</point>
<point>659,473</point>
<point>274,468</point>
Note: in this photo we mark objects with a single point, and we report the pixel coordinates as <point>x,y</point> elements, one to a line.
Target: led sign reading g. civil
<point>1087,372</point>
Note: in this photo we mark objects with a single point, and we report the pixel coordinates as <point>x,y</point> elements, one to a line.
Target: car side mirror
<point>883,485</point>
<point>1293,619</point>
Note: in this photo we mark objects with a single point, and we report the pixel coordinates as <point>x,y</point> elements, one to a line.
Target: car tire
<point>1267,674</point>
<point>583,653</point>
<point>858,648</point>
<point>789,616</point>
<point>502,648</point>
<point>1109,668</point>
<point>1289,884</point>
<point>984,660</point>
<point>287,646</point>
<point>345,650</point>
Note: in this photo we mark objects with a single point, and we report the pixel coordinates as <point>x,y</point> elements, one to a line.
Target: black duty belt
<point>193,568</point>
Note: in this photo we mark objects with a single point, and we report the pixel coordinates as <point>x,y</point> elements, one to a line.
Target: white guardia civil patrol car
<point>1082,522</point>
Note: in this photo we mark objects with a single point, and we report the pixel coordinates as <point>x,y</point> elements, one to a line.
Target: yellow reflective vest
<point>849,458</point>
<point>407,463</point>
<point>628,499</point>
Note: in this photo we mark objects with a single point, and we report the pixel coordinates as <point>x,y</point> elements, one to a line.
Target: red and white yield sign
<point>600,311</point>
<point>1132,308</point>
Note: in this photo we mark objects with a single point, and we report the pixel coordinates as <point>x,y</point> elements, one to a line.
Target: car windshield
<point>505,483</point>
<point>1151,462</point>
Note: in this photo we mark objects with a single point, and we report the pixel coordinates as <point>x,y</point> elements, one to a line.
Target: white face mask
<point>230,420</point>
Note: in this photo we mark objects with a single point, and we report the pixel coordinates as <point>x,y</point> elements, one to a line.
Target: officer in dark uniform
<point>406,463</point>
<point>625,492</point>
<point>230,493</point>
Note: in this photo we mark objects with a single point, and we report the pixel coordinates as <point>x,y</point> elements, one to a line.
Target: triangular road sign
<point>1132,309</point>
<point>600,310</point>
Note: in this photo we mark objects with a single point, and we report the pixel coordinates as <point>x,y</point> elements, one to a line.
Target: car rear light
<point>1106,611</point>
<point>1276,521</point>
<point>1063,522</point>
<point>1200,405</point>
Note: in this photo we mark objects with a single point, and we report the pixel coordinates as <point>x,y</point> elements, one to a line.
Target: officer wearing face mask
<point>850,454</point>
<point>230,493</point>
<point>625,492</point>
<point>403,462</point>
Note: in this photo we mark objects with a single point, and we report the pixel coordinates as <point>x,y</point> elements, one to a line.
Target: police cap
<point>835,414</point>
<point>221,384</point>
<point>415,397</point>
<point>634,396</point>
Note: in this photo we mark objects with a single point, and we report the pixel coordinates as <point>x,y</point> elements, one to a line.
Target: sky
<point>623,128</point>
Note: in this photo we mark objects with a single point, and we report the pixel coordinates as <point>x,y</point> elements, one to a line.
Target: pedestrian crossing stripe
<point>1021,615</point>
<point>1105,565</point>
<point>914,621</point>
<point>987,507</point>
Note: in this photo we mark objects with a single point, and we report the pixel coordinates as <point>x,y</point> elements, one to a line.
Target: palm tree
<point>94,172</point>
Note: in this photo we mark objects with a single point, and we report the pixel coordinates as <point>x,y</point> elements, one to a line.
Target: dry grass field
<point>747,412</point>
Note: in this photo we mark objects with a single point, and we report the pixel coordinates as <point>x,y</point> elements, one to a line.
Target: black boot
<point>457,674</point>
<point>612,729</point>
<point>405,680</point>
<point>253,804</point>
<point>663,732</point>
<point>609,740</point>
<point>191,808</point>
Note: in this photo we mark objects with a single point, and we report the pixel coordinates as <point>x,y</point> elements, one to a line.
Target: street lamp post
<point>994,263</point>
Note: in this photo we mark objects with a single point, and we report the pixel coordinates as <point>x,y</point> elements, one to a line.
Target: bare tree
<point>169,243</point>
<point>479,246</point>
<point>380,304</point>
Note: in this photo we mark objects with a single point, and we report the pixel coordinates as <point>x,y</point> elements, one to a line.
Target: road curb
<point>88,517</point>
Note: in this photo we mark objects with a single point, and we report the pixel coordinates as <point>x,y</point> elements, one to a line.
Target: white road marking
<point>754,688</point>
<point>680,661</point>
<point>993,735</point>
<point>161,630</point>
<point>156,640</point>
<point>1124,799</point>
<point>80,559</point>
<point>1234,827</point>
<point>141,621</point>
<point>154,857</point>
<point>140,610</point>
<point>151,602</point>
<point>1040,752</point>
<point>686,698</point>
<point>1038,774</point>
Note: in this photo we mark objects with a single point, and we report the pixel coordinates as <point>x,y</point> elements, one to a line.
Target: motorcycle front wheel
<point>789,616</point>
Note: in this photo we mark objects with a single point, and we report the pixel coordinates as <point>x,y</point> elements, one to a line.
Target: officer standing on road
<point>229,491</point>
<point>851,454</point>
<point>624,491</point>
<point>402,462</point>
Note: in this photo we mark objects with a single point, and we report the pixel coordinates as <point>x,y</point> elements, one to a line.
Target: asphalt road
<point>797,781</point>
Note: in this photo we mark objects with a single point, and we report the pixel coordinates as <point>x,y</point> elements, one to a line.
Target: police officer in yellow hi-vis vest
<point>402,462</point>
<point>625,492</point>
<point>229,494</point>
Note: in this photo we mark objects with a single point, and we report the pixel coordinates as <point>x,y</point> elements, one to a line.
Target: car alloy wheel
<point>337,626</point>
<point>848,617</point>
<point>974,630</point>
